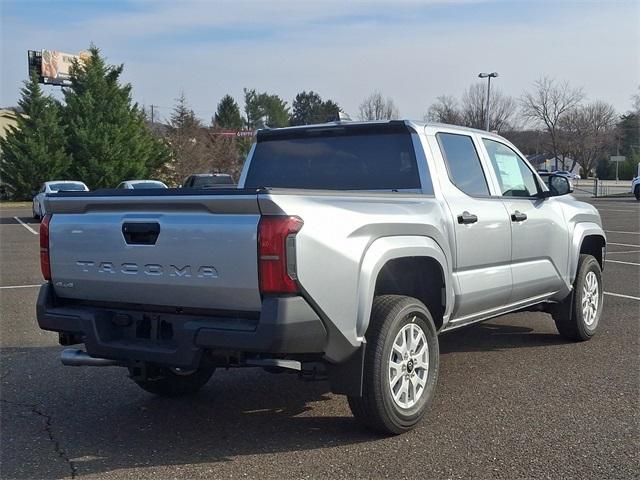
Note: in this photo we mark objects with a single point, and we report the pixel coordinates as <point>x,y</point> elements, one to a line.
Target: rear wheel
<point>173,382</point>
<point>636,192</point>
<point>577,317</point>
<point>401,365</point>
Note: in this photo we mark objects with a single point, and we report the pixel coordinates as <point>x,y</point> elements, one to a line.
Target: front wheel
<point>401,365</point>
<point>174,382</point>
<point>577,317</point>
<point>636,192</point>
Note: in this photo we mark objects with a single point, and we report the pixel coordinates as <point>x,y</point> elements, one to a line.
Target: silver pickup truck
<point>345,250</point>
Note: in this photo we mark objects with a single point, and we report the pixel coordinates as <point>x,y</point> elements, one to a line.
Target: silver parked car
<point>348,248</point>
<point>38,208</point>
<point>141,184</point>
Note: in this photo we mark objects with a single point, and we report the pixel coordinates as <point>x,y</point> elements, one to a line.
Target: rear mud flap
<point>346,377</point>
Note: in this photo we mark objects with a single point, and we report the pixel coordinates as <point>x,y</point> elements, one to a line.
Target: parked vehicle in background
<point>338,252</point>
<point>635,187</point>
<point>209,180</point>
<point>38,208</point>
<point>139,184</point>
<point>564,173</point>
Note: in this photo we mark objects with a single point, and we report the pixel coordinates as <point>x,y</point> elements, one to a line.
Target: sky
<point>410,50</point>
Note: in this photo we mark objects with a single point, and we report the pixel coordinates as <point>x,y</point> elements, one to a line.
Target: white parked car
<point>54,187</point>
<point>635,187</point>
<point>569,175</point>
<point>135,184</point>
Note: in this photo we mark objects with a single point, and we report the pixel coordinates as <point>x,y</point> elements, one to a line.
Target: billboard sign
<point>53,67</point>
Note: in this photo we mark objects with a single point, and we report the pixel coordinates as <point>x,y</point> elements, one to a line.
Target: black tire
<point>569,315</point>
<point>377,409</point>
<point>636,192</point>
<point>167,382</point>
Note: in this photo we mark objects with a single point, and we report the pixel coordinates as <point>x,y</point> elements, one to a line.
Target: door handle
<point>466,218</point>
<point>138,233</point>
<point>518,216</point>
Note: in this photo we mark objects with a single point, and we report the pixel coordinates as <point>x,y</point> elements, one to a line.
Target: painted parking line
<point>625,263</point>
<point>624,244</point>
<point>624,251</point>
<point>8,287</point>
<point>612,210</point>
<point>25,225</point>
<point>621,295</point>
<point>626,233</point>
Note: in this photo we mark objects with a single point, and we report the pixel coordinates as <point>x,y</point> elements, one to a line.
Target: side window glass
<point>463,163</point>
<point>516,179</point>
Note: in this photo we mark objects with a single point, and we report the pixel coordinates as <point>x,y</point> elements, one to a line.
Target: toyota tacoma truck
<point>345,251</point>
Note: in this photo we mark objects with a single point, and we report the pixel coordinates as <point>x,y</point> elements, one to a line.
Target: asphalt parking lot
<point>514,400</point>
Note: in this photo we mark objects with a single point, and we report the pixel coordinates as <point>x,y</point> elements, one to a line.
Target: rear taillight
<point>45,265</point>
<point>276,253</point>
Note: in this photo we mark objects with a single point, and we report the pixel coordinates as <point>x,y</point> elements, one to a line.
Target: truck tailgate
<point>179,251</point>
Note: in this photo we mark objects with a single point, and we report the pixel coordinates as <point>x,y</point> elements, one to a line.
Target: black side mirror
<point>559,185</point>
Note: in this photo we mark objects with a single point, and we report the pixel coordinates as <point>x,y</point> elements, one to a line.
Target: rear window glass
<point>463,163</point>
<point>66,187</point>
<point>335,159</point>
<point>148,185</point>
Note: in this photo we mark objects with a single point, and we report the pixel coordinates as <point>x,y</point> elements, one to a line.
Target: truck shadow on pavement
<point>101,421</point>
<point>490,336</point>
<point>96,420</point>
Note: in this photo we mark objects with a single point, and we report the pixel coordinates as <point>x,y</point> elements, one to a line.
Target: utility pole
<point>488,76</point>
<point>152,112</point>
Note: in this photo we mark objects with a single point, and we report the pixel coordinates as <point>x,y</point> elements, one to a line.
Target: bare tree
<point>548,103</point>
<point>587,132</point>
<point>502,108</point>
<point>445,110</point>
<point>375,107</point>
<point>636,102</point>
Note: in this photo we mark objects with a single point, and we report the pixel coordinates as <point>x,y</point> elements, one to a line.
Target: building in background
<point>7,119</point>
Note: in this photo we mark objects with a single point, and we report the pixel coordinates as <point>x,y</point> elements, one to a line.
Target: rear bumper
<point>284,325</point>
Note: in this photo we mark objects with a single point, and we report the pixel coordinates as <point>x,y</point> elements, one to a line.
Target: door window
<point>516,179</point>
<point>463,163</point>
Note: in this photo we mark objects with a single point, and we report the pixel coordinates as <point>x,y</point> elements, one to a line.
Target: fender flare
<point>582,230</point>
<point>379,253</point>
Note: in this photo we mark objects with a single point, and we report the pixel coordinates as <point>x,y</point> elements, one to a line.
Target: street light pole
<point>488,76</point>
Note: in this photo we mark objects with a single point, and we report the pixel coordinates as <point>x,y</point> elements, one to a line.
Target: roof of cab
<point>416,124</point>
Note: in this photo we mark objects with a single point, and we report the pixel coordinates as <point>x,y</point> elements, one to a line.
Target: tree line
<point>97,134</point>
<point>552,121</point>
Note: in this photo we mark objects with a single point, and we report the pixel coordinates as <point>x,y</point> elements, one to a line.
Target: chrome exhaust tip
<point>72,357</point>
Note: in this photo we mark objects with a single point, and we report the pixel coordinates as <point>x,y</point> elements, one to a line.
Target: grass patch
<point>8,204</point>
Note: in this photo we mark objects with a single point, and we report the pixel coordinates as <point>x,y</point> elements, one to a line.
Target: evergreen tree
<point>228,114</point>
<point>34,151</point>
<point>264,110</point>
<point>309,108</point>
<point>188,142</point>
<point>108,139</point>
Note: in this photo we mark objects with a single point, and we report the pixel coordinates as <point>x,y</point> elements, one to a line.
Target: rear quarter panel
<point>339,230</point>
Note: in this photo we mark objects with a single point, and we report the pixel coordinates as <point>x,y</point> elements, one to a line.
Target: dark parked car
<point>209,180</point>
